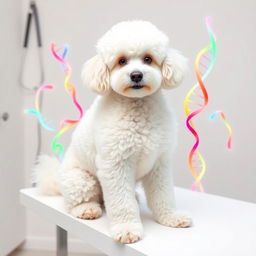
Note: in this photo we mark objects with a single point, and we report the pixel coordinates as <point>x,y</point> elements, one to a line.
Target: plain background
<point>231,85</point>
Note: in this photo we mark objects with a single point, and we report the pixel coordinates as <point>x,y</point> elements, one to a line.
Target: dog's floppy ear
<point>173,69</point>
<point>95,75</point>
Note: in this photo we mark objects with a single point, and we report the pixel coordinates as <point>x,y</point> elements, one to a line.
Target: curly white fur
<point>127,135</point>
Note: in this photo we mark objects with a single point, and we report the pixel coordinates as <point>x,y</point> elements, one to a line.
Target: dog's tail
<point>45,175</point>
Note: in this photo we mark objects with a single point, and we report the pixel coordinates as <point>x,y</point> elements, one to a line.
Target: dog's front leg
<point>118,185</point>
<point>159,189</point>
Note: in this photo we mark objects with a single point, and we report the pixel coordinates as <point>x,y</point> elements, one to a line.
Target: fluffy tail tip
<point>45,175</point>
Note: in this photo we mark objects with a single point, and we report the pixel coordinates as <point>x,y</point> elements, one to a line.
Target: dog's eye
<point>122,61</point>
<point>147,60</point>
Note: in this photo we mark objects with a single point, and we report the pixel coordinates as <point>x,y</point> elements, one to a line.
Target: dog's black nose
<point>136,76</point>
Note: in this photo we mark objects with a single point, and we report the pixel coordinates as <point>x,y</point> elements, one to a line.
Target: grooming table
<point>222,226</point>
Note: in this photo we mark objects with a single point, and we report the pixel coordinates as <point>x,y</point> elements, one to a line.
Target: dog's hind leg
<point>87,210</point>
<point>81,190</point>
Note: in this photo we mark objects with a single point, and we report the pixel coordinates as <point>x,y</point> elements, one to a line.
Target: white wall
<point>231,85</point>
<point>12,214</point>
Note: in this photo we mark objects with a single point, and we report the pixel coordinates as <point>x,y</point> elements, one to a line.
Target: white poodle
<point>127,135</point>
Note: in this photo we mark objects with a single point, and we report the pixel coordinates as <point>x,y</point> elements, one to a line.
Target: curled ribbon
<point>65,124</point>
<point>37,110</point>
<point>222,115</point>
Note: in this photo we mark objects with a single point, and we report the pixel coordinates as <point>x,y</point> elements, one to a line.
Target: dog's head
<point>134,59</point>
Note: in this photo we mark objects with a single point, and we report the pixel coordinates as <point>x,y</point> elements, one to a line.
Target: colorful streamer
<point>65,124</point>
<point>222,115</point>
<point>37,110</point>
<point>203,65</point>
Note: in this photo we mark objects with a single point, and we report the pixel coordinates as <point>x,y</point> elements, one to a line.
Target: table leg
<point>62,241</point>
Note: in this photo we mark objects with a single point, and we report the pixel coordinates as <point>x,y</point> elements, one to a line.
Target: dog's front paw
<point>87,210</point>
<point>127,233</point>
<point>175,219</point>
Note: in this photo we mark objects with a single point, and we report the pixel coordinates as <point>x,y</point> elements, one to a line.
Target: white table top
<point>222,226</point>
